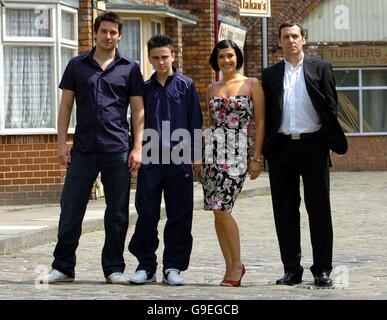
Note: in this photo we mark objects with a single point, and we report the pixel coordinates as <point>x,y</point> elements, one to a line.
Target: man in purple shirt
<point>103,84</point>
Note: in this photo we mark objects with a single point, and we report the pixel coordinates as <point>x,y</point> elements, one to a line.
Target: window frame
<point>2,117</point>
<point>68,44</point>
<point>50,7</point>
<point>160,22</point>
<point>360,88</point>
<point>141,64</point>
<point>73,43</point>
<point>55,42</point>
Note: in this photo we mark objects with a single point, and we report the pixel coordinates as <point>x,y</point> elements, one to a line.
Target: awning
<point>158,10</point>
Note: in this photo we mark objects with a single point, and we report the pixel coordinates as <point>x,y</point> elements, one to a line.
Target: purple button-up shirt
<point>102,98</point>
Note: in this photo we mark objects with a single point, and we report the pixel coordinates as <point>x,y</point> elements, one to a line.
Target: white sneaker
<point>117,278</point>
<point>172,277</point>
<point>55,276</point>
<point>142,277</point>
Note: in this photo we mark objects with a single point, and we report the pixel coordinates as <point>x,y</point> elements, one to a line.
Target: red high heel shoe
<point>234,283</point>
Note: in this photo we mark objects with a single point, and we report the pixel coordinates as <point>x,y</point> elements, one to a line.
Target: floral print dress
<point>225,155</point>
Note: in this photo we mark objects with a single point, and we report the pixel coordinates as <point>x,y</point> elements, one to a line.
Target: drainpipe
<point>216,30</point>
<point>93,8</point>
<point>265,59</point>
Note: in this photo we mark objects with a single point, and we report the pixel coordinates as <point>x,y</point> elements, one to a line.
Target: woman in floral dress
<point>232,102</point>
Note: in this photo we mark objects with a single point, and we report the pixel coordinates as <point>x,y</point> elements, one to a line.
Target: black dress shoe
<point>289,279</point>
<point>322,279</point>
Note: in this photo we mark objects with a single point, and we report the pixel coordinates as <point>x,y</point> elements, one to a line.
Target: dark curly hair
<point>108,16</point>
<point>160,40</point>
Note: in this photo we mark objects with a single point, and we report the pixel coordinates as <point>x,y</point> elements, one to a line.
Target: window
<point>130,43</point>
<point>33,55</point>
<point>155,27</point>
<point>68,47</point>
<point>362,95</point>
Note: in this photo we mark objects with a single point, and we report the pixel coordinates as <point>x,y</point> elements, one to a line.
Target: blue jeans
<point>81,174</point>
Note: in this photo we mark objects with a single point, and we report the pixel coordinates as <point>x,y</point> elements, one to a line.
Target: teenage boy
<point>171,101</point>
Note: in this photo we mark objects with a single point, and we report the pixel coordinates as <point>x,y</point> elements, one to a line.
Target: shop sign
<point>255,8</point>
<point>356,56</point>
<point>229,32</point>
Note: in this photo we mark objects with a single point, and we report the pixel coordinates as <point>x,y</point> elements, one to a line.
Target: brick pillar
<point>85,24</point>
<point>174,29</point>
<point>198,42</point>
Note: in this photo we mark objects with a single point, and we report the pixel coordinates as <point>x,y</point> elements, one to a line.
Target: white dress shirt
<point>298,114</point>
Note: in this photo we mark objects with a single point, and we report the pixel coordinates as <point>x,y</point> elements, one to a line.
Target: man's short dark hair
<point>223,44</point>
<point>158,41</point>
<point>290,23</point>
<point>108,16</point>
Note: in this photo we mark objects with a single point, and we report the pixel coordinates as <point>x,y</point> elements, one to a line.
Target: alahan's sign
<point>255,8</point>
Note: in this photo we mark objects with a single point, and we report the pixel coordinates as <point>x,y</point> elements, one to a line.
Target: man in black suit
<point>301,129</point>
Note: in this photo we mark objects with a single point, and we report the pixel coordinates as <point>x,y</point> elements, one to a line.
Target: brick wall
<point>229,9</point>
<point>29,170</point>
<point>197,43</point>
<point>364,153</point>
<point>174,29</point>
<point>253,47</point>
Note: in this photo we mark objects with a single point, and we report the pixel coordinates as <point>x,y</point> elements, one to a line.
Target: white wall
<point>348,20</point>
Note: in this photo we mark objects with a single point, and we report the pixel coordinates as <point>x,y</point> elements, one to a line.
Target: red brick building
<point>49,32</point>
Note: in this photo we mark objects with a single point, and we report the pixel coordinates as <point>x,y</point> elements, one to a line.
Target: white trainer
<point>142,277</point>
<point>117,278</point>
<point>55,276</point>
<point>172,277</point>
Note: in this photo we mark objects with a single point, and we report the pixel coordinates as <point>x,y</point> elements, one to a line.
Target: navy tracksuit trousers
<point>176,181</point>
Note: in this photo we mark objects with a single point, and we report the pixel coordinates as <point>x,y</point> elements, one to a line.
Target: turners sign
<point>356,56</point>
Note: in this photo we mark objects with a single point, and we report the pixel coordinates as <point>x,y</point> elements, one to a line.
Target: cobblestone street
<point>360,256</point>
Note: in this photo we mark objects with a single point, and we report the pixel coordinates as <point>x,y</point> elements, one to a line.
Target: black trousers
<point>81,174</point>
<point>307,158</point>
<point>176,182</point>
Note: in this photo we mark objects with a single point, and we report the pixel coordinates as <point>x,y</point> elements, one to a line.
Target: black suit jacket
<point>321,88</point>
